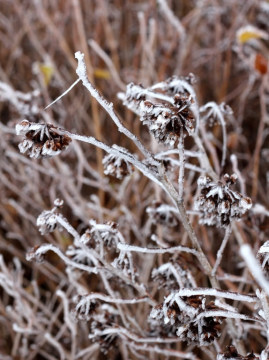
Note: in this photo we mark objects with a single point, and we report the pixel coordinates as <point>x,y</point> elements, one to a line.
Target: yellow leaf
<point>101,74</point>
<point>249,32</point>
<point>47,72</point>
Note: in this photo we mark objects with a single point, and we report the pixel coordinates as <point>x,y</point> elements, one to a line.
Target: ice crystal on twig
<point>187,317</point>
<point>218,204</point>
<point>41,140</point>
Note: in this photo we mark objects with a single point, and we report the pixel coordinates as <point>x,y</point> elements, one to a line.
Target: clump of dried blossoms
<point>232,354</point>
<point>218,204</point>
<point>116,166</point>
<point>166,108</point>
<point>190,318</point>
<point>162,214</point>
<point>41,140</point>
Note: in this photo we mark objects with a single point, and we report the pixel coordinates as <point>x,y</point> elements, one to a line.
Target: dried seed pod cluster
<point>41,140</point>
<point>219,205</point>
<point>173,275</point>
<point>166,108</point>
<point>47,222</point>
<point>117,167</point>
<point>162,214</point>
<point>232,354</point>
<point>100,318</point>
<point>190,318</point>
<point>107,318</point>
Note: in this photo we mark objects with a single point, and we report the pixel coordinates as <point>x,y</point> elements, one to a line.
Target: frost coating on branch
<point>254,267</point>
<point>214,112</point>
<point>219,205</point>
<point>263,257</point>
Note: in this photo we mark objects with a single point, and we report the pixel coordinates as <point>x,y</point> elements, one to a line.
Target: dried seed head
<point>41,140</point>
<point>188,318</point>
<point>117,167</point>
<point>106,317</point>
<point>47,222</point>
<point>85,307</point>
<point>232,354</point>
<point>218,204</point>
<point>166,108</point>
<point>162,214</point>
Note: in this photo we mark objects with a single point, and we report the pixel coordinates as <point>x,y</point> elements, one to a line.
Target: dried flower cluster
<point>41,140</point>
<point>218,204</point>
<point>162,214</point>
<point>174,274</point>
<point>232,354</point>
<point>116,166</point>
<point>188,318</point>
<point>166,108</point>
<point>100,318</point>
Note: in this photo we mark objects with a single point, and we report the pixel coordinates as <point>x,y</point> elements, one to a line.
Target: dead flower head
<point>117,167</point>
<point>166,108</point>
<point>41,140</point>
<point>187,317</point>
<point>218,205</point>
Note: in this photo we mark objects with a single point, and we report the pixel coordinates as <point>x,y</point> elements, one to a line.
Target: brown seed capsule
<point>41,140</point>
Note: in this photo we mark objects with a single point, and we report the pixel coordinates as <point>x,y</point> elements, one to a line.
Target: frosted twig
<point>264,301</point>
<point>65,224</point>
<point>87,351</point>
<point>228,231</point>
<point>111,300</point>
<point>172,18</point>
<point>226,314</point>
<point>187,226</point>
<point>49,247</point>
<point>127,334</point>
<point>214,110</point>
<point>181,164</point>
<point>56,344</point>
<point>254,267</point>
<point>82,74</point>
<point>217,293</point>
<point>241,180</point>
<point>63,94</point>
<point>113,71</point>
<point>114,151</point>
<point>165,352</point>
<point>126,248</point>
<point>67,319</point>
